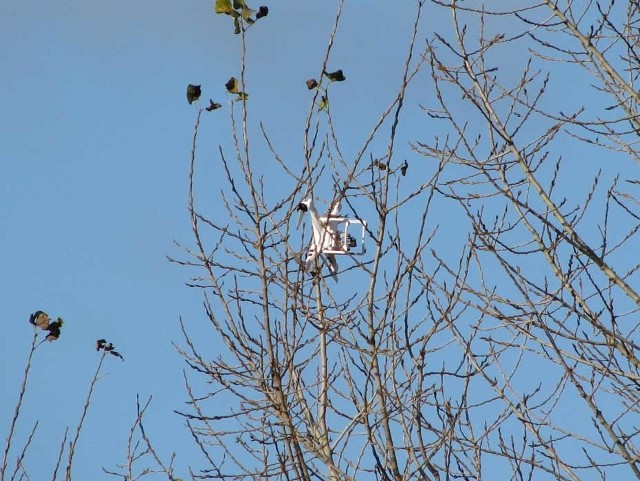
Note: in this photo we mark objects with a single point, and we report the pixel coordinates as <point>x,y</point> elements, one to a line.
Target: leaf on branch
<point>224,6</point>
<point>102,344</point>
<point>39,319</point>
<point>336,76</point>
<point>324,103</point>
<point>240,12</point>
<point>380,165</point>
<point>212,106</point>
<point>246,13</point>
<point>232,85</point>
<point>54,330</point>
<point>193,93</point>
<point>404,167</point>
<point>262,12</point>
<point>232,88</point>
<point>312,83</point>
<point>116,354</point>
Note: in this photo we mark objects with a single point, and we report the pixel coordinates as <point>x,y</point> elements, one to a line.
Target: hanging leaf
<point>336,76</point>
<point>380,165</point>
<point>232,85</point>
<point>232,88</point>
<point>116,354</point>
<point>224,6</point>
<point>236,25</point>
<point>54,330</point>
<point>262,12</point>
<point>312,83</point>
<point>193,93</point>
<point>324,103</point>
<point>107,347</point>
<point>404,167</point>
<point>39,319</point>
<point>246,13</point>
<point>212,106</point>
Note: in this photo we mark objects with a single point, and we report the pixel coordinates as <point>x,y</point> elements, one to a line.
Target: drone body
<point>332,236</point>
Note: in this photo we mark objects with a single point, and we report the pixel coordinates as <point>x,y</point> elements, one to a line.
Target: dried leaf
<point>40,319</point>
<point>380,165</point>
<point>232,85</point>
<point>224,6</point>
<point>116,354</point>
<point>212,106</point>
<point>312,83</point>
<point>246,13</point>
<point>54,330</point>
<point>404,167</point>
<point>193,93</point>
<point>262,12</point>
<point>336,76</point>
<point>107,347</point>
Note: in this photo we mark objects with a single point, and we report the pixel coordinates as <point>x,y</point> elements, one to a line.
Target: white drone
<point>331,236</point>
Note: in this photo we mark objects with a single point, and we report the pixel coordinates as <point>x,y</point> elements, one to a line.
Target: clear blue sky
<point>95,135</point>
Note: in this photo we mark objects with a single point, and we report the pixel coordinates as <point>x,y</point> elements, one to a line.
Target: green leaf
<point>324,103</point>
<point>238,4</point>
<point>193,93</point>
<point>246,14</point>
<point>232,85</point>
<point>224,6</point>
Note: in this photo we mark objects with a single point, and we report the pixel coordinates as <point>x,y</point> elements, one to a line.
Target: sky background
<point>95,135</point>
